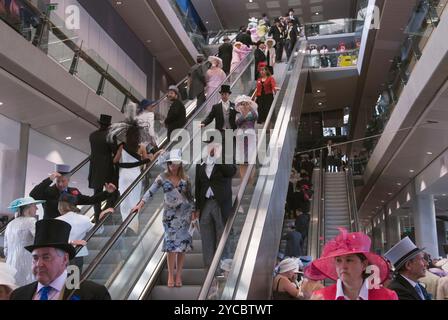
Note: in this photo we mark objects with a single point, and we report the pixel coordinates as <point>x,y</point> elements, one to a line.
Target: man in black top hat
<point>51,193</point>
<point>102,169</point>
<point>51,254</point>
<point>226,53</point>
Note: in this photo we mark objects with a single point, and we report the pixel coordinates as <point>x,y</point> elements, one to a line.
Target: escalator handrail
<point>321,218</point>
<point>229,225</point>
<point>75,170</point>
<point>103,252</point>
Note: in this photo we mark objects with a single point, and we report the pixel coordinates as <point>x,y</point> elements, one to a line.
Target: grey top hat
<point>62,169</point>
<point>402,252</point>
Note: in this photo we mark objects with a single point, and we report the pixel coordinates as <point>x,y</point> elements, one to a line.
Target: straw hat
<point>7,274</point>
<point>217,60</point>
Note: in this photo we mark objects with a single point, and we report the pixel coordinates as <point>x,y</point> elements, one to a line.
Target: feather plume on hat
<point>118,131</point>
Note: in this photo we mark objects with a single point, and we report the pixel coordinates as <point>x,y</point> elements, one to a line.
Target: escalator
<point>134,268</point>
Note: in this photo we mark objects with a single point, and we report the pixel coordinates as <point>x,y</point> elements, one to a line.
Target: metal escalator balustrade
<point>155,287</point>
<point>119,248</point>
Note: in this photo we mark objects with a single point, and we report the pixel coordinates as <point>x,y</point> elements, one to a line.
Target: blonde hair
<point>64,207</point>
<point>180,172</point>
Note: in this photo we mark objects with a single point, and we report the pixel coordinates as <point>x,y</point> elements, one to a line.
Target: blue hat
<point>21,202</point>
<point>62,168</point>
<point>146,103</point>
<point>68,197</point>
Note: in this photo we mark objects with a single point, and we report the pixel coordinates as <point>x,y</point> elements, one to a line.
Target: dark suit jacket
<point>278,35</point>
<point>226,53</point>
<point>217,114</point>
<point>404,289</point>
<point>244,38</point>
<point>87,291</point>
<point>176,118</point>
<point>260,56</point>
<point>221,183</point>
<point>51,195</point>
<point>198,81</point>
<point>101,169</point>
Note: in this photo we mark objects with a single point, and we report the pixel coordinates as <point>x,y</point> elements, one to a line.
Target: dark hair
<point>363,258</point>
<point>268,72</point>
<point>133,138</point>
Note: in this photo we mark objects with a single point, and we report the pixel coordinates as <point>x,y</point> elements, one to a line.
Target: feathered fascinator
<point>118,131</point>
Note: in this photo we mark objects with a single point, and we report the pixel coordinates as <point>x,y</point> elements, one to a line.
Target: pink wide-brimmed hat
<point>344,244</point>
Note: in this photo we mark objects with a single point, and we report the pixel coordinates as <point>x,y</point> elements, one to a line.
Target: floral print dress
<point>178,208</point>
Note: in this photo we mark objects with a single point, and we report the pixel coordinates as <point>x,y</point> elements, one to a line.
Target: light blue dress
<point>178,208</point>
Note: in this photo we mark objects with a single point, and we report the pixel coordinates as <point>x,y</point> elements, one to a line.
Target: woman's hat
<point>175,89</point>
<point>289,264</point>
<point>7,276</point>
<point>344,244</point>
<point>217,60</point>
<point>261,22</point>
<point>105,120</point>
<point>226,265</point>
<point>271,40</point>
<point>53,233</point>
<point>253,20</point>
<point>243,98</point>
<point>68,197</point>
<point>312,273</point>
<point>174,155</point>
<point>225,89</point>
<point>402,252</point>
<point>146,103</point>
<point>443,264</point>
<point>22,202</point>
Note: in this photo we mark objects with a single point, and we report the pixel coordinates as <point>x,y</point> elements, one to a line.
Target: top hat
<point>53,233</point>
<point>21,202</point>
<point>346,244</point>
<point>105,120</point>
<point>62,169</point>
<point>225,89</point>
<point>402,252</point>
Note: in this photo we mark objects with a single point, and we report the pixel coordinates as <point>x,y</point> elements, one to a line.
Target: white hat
<point>443,263</point>
<point>7,274</point>
<point>253,20</point>
<point>226,265</point>
<point>289,264</point>
<point>213,59</point>
<point>174,155</point>
<point>403,251</point>
<point>271,40</point>
<point>244,98</point>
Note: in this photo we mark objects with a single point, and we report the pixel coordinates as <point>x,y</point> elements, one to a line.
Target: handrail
<point>321,229</point>
<point>226,233</point>
<point>248,59</point>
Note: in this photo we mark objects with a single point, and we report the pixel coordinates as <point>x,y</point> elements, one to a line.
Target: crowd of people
<point>343,55</point>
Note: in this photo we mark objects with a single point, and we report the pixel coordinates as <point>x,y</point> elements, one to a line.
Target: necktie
<point>419,291</point>
<point>44,293</point>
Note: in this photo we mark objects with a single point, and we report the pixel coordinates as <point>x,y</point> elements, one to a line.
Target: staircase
<point>336,204</point>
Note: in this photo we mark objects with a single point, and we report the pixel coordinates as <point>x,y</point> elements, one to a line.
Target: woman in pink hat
<point>345,259</point>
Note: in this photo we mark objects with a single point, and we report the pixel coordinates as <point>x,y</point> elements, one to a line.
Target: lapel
<point>30,291</point>
<point>408,286</point>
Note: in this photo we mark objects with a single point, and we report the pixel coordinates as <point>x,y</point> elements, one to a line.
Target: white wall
<point>96,39</point>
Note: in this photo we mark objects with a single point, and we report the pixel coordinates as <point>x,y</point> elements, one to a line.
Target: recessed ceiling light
<point>148,41</point>
<point>119,3</point>
<point>382,201</point>
<point>206,22</point>
<point>170,68</point>
<point>320,104</point>
<point>398,183</point>
<point>318,91</point>
<point>317,13</point>
<point>444,195</point>
<point>1,103</point>
<point>411,171</point>
<point>390,193</point>
<point>68,138</point>
<point>429,153</point>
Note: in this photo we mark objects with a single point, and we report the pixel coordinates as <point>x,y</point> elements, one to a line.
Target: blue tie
<point>44,293</point>
<point>420,291</point>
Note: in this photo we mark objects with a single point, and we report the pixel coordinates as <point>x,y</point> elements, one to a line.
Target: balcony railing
<point>47,31</point>
<point>333,27</point>
<point>341,59</point>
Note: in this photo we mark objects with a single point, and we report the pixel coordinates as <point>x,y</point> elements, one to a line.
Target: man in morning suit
<point>51,193</point>
<point>51,254</point>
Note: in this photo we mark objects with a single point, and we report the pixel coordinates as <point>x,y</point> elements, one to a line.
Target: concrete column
<point>424,213</point>
<point>392,231</point>
<point>22,160</point>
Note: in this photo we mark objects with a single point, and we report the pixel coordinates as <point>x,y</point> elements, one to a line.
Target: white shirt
<point>413,284</point>
<point>226,113</point>
<point>56,288</point>
<point>226,105</point>
<point>80,226</point>
<point>363,293</point>
<point>209,165</point>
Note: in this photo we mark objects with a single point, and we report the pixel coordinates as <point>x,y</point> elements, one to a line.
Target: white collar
<point>57,284</point>
<point>413,283</point>
<point>363,293</point>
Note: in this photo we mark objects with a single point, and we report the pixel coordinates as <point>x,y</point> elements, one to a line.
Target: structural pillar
<point>425,225</point>
<point>393,231</point>
<point>22,160</point>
